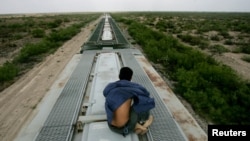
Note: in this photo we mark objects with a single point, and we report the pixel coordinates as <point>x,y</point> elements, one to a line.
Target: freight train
<point>78,114</point>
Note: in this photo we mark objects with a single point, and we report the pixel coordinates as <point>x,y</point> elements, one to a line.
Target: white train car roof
<point>107,35</point>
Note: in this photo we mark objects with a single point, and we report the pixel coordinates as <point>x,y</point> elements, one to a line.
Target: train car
<point>78,112</point>
<point>107,34</point>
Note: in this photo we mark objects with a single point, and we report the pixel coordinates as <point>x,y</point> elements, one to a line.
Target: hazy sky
<point>44,6</point>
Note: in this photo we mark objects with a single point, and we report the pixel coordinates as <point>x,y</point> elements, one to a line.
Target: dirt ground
<point>18,101</point>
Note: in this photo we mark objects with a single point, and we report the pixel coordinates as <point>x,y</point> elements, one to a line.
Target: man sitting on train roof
<point>128,105</point>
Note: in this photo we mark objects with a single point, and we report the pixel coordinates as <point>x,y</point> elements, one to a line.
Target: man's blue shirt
<point>118,92</point>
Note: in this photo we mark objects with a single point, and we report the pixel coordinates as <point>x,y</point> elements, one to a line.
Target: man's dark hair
<point>125,73</point>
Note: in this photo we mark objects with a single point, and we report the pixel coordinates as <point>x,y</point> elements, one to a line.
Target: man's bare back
<point>121,114</point>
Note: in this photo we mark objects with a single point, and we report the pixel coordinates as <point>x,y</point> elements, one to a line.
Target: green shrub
<point>218,49</point>
<point>229,42</point>
<point>38,33</point>
<point>63,34</point>
<point>213,89</point>
<point>8,72</point>
<point>245,48</point>
<point>246,58</point>
<point>225,34</point>
<point>17,36</point>
<point>164,26</point>
<point>54,40</point>
<point>217,89</point>
<point>30,51</point>
<point>215,38</point>
<point>203,44</point>
<point>56,23</point>
<point>192,40</point>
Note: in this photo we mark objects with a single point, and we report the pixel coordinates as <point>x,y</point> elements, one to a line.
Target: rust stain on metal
<point>156,79</point>
<point>166,100</point>
<point>182,120</point>
<point>60,85</point>
<point>191,137</point>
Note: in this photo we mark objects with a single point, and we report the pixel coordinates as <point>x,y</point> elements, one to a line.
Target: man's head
<point>125,73</point>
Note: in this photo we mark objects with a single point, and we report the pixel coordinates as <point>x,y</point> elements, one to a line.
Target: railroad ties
<point>79,112</point>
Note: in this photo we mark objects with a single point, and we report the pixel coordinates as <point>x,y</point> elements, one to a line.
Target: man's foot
<point>148,122</point>
<point>139,129</point>
<point>144,131</point>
